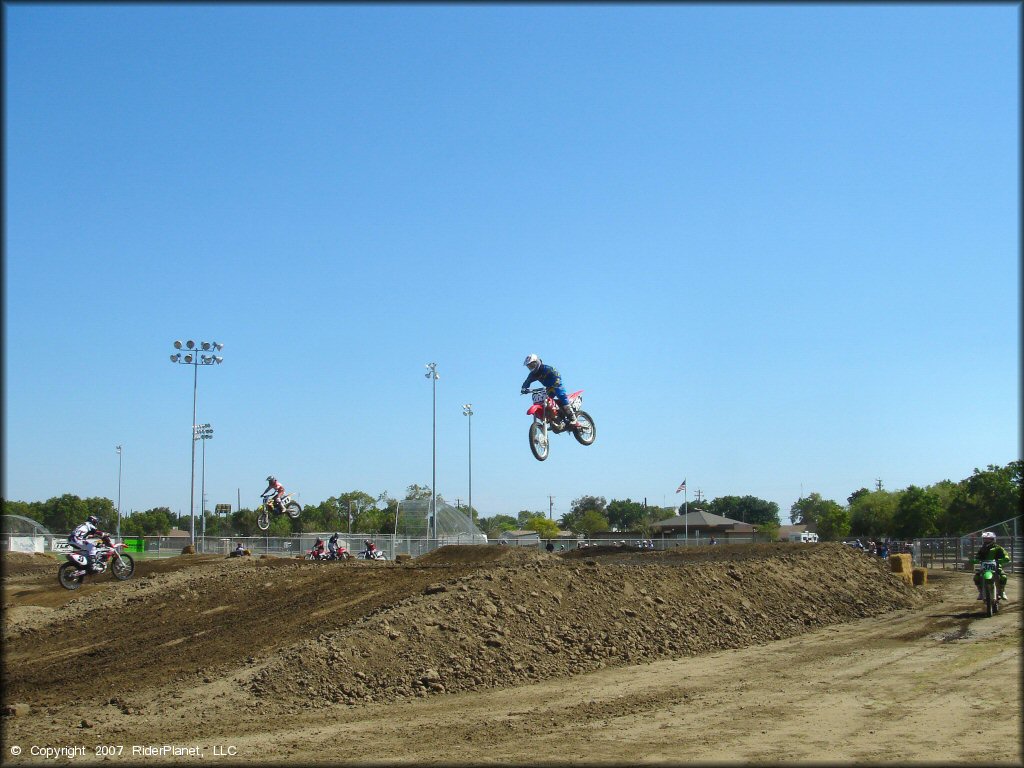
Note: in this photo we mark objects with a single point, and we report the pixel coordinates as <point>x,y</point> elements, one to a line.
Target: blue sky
<point>777,246</point>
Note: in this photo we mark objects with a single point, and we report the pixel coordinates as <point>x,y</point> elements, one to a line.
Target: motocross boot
<point>568,416</point>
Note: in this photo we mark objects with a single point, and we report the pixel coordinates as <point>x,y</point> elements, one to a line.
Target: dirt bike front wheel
<point>122,568</point>
<point>991,602</point>
<point>263,519</point>
<point>585,432</point>
<point>66,576</point>
<point>538,441</point>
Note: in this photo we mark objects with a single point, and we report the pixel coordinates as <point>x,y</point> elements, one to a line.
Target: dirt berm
<point>291,634</point>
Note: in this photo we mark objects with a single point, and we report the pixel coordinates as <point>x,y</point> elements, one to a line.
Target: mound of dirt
<point>280,634</point>
<point>22,563</point>
<point>529,615</point>
<point>476,554</point>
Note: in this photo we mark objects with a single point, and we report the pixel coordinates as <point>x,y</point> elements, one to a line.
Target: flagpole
<point>686,520</point>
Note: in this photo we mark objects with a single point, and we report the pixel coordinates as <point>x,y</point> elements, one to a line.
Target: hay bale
<point>907,577</point>
<point>920,576</point>
<point>188,549</point>
<point>403,558</point>
<point>901,563</point>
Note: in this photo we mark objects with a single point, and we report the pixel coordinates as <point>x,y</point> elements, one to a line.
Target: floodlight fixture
<point>177,345</point>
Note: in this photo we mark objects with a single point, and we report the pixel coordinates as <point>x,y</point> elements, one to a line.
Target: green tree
<point>496,525</point>
<point>590,522</point>
<point>525,516</point>
<point>833,521</point>
<point>805,510</point>
<point>417,492</point>
<point>917,514</point>
<point>627,515</point>
<point>548,529</point>
<point>243,522</point>
<point>871,513</point>
<point>746,509</point>
<point>987,497</point>
<point>767,531</point>
<point>32,510</point>
<point>63,513</point>
<point>152,522</point>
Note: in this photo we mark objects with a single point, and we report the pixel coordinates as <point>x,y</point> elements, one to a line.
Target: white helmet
<point>532,362</point>
<point>988,536</point>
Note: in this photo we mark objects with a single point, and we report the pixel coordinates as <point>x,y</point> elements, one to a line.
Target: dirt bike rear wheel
<point>585,432</point>
<point>122,568</point>
<point>263,519</point>
<point>66,577</point>
<point>538,441</point>
<point>293,510</point>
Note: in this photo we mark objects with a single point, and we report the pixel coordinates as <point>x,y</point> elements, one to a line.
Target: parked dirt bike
<point>291,508</point>
<point>108,555</point>
<point>547,415</point>
<point>989,570</point>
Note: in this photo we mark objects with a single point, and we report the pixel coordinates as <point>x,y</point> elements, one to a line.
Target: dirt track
<point>782,653</point>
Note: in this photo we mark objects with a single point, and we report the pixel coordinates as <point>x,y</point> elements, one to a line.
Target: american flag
<point>682,487</point>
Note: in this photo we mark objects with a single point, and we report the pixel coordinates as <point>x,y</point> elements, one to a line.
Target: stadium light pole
<point>203,432</point>
<point>433,375</point>
<point>118,492</point>
<point>192,357</point>
<point>467,410</point>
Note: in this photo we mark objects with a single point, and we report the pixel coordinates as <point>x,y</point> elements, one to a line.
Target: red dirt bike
<point>547,415</point>
<point>341,554</point>
<point>318,552</point>
<point>108,554</point>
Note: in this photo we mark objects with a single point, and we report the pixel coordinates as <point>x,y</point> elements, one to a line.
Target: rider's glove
<point>523,391</point>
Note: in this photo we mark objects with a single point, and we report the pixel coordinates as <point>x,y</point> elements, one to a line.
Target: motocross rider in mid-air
<point>273,494</point>
<point>548,376</point>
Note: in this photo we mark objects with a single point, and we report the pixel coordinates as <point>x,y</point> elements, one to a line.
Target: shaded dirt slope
<point>291,634</point>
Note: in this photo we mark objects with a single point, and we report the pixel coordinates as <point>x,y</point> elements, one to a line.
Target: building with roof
<point>704,525</point>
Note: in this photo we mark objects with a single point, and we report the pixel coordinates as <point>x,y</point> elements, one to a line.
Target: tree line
<point>943,509</point>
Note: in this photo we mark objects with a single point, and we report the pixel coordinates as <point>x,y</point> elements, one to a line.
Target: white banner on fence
<point>27,544</point>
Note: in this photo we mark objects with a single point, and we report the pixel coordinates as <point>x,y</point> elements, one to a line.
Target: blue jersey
<point>546,375</point>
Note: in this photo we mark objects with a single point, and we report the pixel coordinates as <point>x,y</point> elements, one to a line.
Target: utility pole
<point>551,507</point>
<point>878,483</point>
<point>698,494</point>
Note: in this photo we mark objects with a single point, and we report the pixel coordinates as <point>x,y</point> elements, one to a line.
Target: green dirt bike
<point>290,507</point>
<point>990,572</point>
